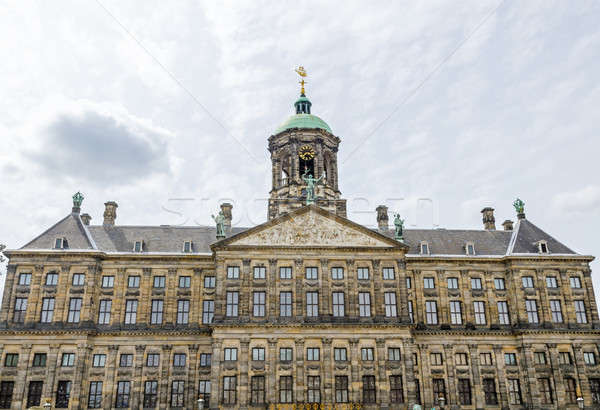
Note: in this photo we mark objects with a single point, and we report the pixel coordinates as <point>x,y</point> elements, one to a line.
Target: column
<point>78,393</point>
<point>299,377</point>
<point>382,384</point>
<point>8,291</point>
<point>52,363</point>
<point>378,306</point>
<point>478,396</point>
<point>197,298</point>
<point>33,299</point>
<point>582,383</point>
<point>145,303</point>
<point>192,376</point>
<point>327,371</point>
<point>324,294</point>
<point>451,375</point>
<point>20,384</point>
<point>62,297</point>
<point>245,290</point>
<point>403,292</point>
<point>298,295</point>
<point>271,372</point>
<point>165,373</point>
<point>272,296</point>
<point>137,389</point>
<point>540,280</point>
<point>410,367</point>
<point>502,392</point>
<point>592,309</point>
<point>354,394</point>
<point>243,374</point>
<point>530,393</point>
<point>170,302</point>
<point>110,386</point>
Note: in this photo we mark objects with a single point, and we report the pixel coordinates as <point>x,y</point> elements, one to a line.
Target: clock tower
<point>304,146</point>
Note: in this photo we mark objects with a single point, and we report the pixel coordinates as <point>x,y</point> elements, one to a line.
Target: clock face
<point>306,152</point>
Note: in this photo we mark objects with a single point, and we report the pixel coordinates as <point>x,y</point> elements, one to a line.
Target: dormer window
<point>61,243</point>
<point>138,246</point>
<point>543,247</point>
<point>470,248</point>
<point>187,246</point>
<point>424,248</point>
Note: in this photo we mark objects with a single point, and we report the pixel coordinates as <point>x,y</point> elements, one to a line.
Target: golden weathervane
<point>302,73</point>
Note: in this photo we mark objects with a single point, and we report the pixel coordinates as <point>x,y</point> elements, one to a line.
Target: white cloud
<point>583,201</point>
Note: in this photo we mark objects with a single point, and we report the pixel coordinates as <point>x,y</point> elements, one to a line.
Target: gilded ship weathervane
<point>302,73</point>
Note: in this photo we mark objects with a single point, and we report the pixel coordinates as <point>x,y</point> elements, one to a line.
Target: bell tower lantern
<point>304,148</point>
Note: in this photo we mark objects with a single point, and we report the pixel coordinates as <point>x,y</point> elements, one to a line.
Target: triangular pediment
<point>311,227</point>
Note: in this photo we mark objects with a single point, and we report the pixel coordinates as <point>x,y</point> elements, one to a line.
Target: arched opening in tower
<point>307,166</point>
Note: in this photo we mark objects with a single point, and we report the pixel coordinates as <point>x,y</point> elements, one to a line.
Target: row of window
<point>499,283</point>
<point>311,273</point>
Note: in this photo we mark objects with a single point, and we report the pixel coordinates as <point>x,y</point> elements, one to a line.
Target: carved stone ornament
<point>310,229</point>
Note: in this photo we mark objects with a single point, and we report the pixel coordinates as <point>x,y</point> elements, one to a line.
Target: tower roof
<point>303,121</point>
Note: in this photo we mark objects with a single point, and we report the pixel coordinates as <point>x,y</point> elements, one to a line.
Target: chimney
<point>382,217</point>
<point>226,208</point>
<point>508,225</point>
<point>86,218</point>
<point>110,213</point>
<point>489,222</point>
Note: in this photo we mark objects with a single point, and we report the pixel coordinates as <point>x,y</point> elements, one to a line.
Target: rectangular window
<point>556,310</point>
<point>396,390</point>
<point>153,360</point>
<point>230,354</point>
<point>185,282</point>
<point>260,272</point>
<point>210,282</point>
<point>123,394</point>
<point>455,312</point>
<point>138,246</point>
<point>389,301</point>
<point>418,391</point>
<point>233,272</point>
<point>179,359</point>
<point>229,390</point>
<point>285,304</point>
<point>489,389</point>
<point>313,391</point>
<point>337,273</point>
<point>408,283</point>
<point>208,311</point>
<point>499,284</point>
<point>187,246</point>
<point>131,312</point>
<point>595,389</point>
<point>532,313</point>
<point>411,315</point>
<point>364,304</point>
<point>540,357</point>
<point>312,304</point>
<point>183,312</point>
<point>204,392</point>
<point>6,393</point>
<point>285,272</point>
<point>462,359</point>
<point>52,279</point>
<point>551,282</point>
<point>439,390</point>
<point>394,354</point>
<point>20,310</point>
<point>159,282</point>
<point>564,358</point>
<point>257,390</point>
<point>258,304</point>
<point>108,281</point>
<point>258,354</point>
<point>340,354</point>
<point>575,282</point>
<point>527,281</point>
<point>156,316</point>
<point>133,281</point>
<point>514,391</point>
<point>39,360</point>
<point>367,354</point>
<point>452,283</point>
<point>74,310</point>
<point>34,393</point>
<point>464,392</point>
<point>431,312</point>
<point>338,304</point>
<point>99,360</point>
<point>362,273</point>
<point>580,314</point>
<point>311,273</point>
<point>104,311</point>
<point>341,389</point>
<point>286,389</point>
<point>126,360</point>
<point>25,279</point>
<point>389,273</point>
<point>78,279</point>
<point>479,310</point>
<point>571,390</point>
<point>205,360</point>
<point>369,391</point>
<point>232,304</point>
<point>429,283</point>
<point>285,354</point>
<point>485,359</point>
<point>470,248</point>
<point>95,395</point>
<point>476,284</point>
<point>545,390</point>
<point>63,394</point>
<point>178,393</point>
<point>150,394</point>
<point>510,359</point>
<point>436,359</point>
<point>503,315</point>
<point>11,360</point>
<point>313,354</point>
<point>589,358</point>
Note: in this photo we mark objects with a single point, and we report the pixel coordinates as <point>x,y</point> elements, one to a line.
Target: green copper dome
<point>303,118</point>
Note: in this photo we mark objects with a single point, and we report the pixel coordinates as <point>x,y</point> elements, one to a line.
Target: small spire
<point>302,73</point>
<point>77,200</point>
<point>520,208</point>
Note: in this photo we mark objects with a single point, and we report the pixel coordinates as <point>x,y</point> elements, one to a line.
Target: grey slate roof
<point>170,239</point>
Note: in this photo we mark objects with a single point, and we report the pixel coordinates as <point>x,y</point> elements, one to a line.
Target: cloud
<point>584,200</point>
<point>100,145</point>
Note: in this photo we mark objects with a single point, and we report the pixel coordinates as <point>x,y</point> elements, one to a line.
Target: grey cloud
<point>100,148</point>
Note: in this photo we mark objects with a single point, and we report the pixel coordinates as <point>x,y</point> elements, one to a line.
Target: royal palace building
<point>308,307</point>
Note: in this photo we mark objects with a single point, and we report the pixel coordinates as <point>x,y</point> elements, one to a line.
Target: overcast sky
<point>166,107</point>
